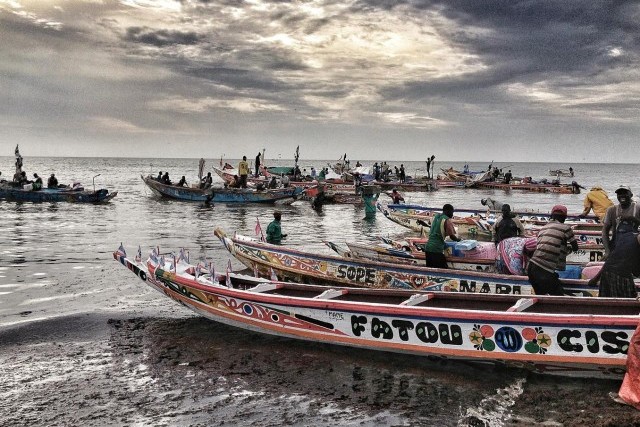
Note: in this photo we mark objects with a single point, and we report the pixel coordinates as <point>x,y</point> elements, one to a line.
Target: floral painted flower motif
<point>537,340</point>
<point>480,337</point>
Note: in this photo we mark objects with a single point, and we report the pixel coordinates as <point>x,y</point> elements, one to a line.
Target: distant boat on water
<point>222,194</point>
<point>22,190</point>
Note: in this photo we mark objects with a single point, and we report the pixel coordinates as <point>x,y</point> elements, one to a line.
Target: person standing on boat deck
<point>52,182</point>
<point>403,176</point>
<point>243,171</point>
<point>619,218</point>
<point>258,164</point>
<point>598,200</point>
<point>183,182</point>
<point>441,227</point>
<point>493,205</point>
<point>551,253</point>
<point>508,225</point>
<point>508,177</point>
<point>617,273</point>
<point>274,229</point>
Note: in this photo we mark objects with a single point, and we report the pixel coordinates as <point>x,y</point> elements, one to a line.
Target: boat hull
<point>56,195</point>
<point>222,195</point>
<point>305,267</point>
<point>561,336</point>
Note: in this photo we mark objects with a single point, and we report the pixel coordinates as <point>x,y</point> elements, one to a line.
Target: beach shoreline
<point>106,368</point>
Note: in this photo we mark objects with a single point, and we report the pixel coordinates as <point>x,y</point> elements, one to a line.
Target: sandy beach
<point>98,369</point>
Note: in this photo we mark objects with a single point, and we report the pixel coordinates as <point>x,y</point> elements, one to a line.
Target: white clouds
<point>202,105</point>
<point>414,67</point>
<point>167,5</point>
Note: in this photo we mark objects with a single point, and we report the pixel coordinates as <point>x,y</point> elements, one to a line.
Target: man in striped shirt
<point>551,253</point>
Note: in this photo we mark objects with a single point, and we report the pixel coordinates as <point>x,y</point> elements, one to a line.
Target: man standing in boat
<point>258,165</point>
<point>508,225</point>
<point>551,253</point>
<point>619,218</point>
<point>441,227</point>
<point>598,200</point>
<point>243,171</point>
<point>274,230</point>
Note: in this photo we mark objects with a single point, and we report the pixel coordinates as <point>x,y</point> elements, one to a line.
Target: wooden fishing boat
<point>65,194</point>
<point>527,216</point>
<point>561,172</point>
<point>537,188</point>
<point>27,193</point>
<point>470,225</point>
<point>586,337</point>
<point>306,267</point>
<point>223,195</point>
<point>410,251</point>
<point>333,192</point>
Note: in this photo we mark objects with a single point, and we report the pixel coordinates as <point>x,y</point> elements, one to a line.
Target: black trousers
<point>435,260</point>
<point>543,281</point>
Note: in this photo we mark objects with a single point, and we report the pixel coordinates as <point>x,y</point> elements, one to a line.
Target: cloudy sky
<point>377,79</point>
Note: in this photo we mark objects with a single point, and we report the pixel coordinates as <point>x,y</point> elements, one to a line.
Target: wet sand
<point>118,369</point>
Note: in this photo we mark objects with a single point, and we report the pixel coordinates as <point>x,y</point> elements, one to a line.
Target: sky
<point>464,80</point>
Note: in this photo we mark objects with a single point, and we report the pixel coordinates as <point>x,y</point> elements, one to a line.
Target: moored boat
<point>222,195</point>
<point>316,268</point>
<point>553,335</point>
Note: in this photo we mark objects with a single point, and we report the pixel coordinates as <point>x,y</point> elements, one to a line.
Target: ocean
<point>56,263</point>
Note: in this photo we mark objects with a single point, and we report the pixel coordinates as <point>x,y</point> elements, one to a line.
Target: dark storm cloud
<point>160,38</point>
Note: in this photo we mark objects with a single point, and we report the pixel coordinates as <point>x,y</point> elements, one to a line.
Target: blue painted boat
<point>66,194</point>
<point>223,195</point>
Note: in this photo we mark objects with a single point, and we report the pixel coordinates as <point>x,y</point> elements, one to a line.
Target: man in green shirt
<point>441,227</point>
<point>274,230</point>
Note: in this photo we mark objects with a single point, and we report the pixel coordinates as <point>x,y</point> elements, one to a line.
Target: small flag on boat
<point>212,272</point>
<point>121,250</point>
<point>259,232</point>
<point>153,256</point>
<point>183,256</point>
<point>228,281</point>
<point>138,257</point>
<point>162,262</point>
<point>173,262</point>
<point>273,274</point>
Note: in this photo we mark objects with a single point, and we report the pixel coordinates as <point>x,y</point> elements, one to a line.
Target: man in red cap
<point>551,253</point>
<point>620,218</point>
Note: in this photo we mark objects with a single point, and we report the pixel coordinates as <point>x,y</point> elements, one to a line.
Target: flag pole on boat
<point>94,182</point>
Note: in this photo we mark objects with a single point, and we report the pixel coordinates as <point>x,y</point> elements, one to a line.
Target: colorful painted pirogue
<point>586,337</point>
<point>536,188</point>
<point>222,195</point>
<point>479,227</point>
<point>410,251</point>
<point>305,267</point>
